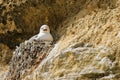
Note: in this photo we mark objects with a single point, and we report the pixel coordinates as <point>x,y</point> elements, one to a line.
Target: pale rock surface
<point>88,47</point>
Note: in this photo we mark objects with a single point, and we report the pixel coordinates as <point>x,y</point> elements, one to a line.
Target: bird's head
<point>44,29</point>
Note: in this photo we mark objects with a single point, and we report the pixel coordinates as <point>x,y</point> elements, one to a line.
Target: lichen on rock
<point>25,58</point>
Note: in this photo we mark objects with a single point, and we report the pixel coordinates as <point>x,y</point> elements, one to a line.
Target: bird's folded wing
<point>33,38</point>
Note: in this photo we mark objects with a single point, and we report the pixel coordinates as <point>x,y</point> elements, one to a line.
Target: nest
<point>26,58</point>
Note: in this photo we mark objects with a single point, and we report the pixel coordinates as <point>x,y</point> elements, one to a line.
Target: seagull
<point>43,35</point>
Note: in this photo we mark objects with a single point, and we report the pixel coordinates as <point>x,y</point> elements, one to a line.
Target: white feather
<point>43,35</point>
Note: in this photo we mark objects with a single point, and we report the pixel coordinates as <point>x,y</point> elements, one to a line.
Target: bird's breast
<point>45,36</point>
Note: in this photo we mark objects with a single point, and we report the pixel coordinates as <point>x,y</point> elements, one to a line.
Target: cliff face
<point>86,33</point>
<point>21,19</point>
<point>87,49</point>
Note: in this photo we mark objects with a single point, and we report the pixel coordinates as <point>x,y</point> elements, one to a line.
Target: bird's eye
<point>44,29</point>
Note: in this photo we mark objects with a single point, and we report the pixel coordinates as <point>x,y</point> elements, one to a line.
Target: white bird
<point>43,35</point>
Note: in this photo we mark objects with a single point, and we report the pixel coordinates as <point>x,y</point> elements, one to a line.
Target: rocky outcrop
<point>86,41</point>
<point>78,62</point>
<point>88,48</point>
<point>25,58</point>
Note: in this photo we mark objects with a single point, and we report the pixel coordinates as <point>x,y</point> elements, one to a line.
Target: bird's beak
<point>44,29</point>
